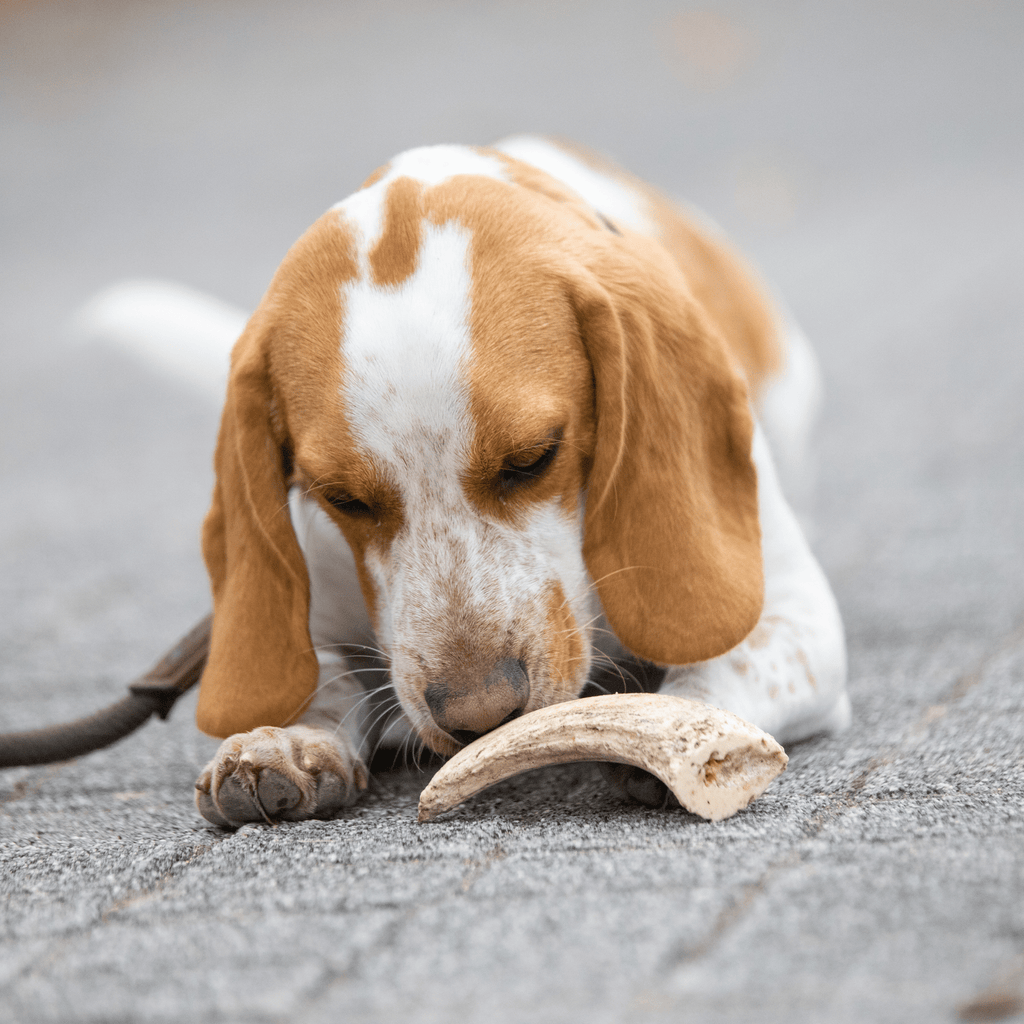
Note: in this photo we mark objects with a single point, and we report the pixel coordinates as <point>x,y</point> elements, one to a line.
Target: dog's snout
<point>466,712</point>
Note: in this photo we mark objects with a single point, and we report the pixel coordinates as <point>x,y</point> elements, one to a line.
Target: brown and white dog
<point>498,410</point>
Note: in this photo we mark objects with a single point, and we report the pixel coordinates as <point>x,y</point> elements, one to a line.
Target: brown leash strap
<point>154,693</point>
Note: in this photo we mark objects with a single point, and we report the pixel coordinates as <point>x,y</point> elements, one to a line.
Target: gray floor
<point>869,157</point>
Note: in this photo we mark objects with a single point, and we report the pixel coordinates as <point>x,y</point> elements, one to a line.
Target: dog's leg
<point>316,766</point>
<point>788,676</point>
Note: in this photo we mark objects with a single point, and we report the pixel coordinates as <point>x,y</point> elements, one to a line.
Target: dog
<point>503,414</point>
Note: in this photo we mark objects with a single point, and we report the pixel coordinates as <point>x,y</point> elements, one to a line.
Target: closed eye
<point>348,505</point>
<point>529,463</point>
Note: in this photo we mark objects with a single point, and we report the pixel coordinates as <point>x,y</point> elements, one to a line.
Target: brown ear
<point>671,538</point>
<point>261,669</point>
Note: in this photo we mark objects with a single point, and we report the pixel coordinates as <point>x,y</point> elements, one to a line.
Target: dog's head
<point>508,407</point>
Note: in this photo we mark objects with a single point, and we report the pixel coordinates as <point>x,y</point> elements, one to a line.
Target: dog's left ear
<point>671,537</point>
<point>261,669</point>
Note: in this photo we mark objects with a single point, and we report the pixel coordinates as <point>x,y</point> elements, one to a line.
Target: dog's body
<point>494,413</point>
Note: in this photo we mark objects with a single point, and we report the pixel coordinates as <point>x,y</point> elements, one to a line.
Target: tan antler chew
<point>712,760</point>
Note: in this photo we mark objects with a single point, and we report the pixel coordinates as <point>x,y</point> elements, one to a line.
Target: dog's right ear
<point>261,669</point>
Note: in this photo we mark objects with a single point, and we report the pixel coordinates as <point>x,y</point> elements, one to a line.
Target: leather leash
<point>153,693</point>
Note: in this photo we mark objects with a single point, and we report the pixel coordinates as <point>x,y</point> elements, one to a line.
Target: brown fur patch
<point>394,257</point>
<point>565,649</point>
<point>727,290</point>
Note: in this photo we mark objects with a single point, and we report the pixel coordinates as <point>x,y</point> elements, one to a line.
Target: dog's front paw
<point>273,774</point>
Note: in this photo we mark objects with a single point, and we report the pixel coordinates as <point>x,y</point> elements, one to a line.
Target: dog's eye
<point>529,463</point>
<point>349,505</point>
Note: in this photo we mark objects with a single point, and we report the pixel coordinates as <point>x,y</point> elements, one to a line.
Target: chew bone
<point>712,760</point>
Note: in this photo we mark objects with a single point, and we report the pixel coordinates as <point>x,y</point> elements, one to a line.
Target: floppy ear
<point>261,669</point>
<point>671,534</point>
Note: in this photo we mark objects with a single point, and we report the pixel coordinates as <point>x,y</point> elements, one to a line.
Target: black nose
<point>465,736</point>
<point>468,712</point>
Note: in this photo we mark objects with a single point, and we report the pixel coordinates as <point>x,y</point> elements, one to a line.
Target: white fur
<point>614,199</point>
<point>406,349</point>
<point>336,611</point>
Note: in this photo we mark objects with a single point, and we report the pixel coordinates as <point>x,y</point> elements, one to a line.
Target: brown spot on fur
<point>739,664</point>
<point>393,258</point>
<point>801,655</point>
<point>760,637</point>
<point>540,183</point>
<point>729,293</point>
<point>565,650</point>
<point>773,692</point>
